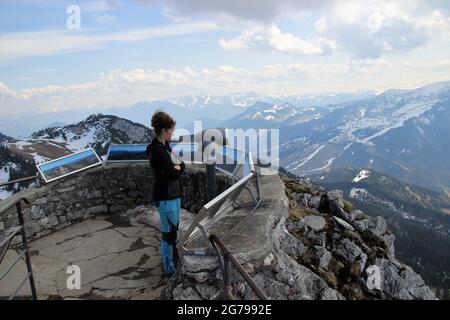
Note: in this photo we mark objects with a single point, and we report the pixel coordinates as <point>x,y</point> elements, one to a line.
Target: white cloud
<point>369,29</point>
<point>126,87</point>
<point>272,38</point>
<point>365,29</point>
<point>49,42</point>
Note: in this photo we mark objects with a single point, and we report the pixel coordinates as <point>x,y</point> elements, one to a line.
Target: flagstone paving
<point>119,258</point>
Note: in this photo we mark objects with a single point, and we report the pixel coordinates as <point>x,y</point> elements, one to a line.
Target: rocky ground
<point>345,247</point>
<point>317,247</point>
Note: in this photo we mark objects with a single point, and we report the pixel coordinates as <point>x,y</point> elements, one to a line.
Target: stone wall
<point>103,190</point>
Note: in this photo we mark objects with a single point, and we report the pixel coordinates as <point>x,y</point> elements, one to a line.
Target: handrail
<point>227,257</point>
<point>3,184</point>
<point>17,201</point>
<point>24,247</point>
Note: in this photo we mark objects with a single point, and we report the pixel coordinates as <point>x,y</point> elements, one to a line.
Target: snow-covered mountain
<point>266,115</point>
<point>18,157</point>
<point>200,101</point>
<point>185,109</point>
<point>97,131</point>
<point>402,133</point>
<point>3,137</point>
<point>248,99</point>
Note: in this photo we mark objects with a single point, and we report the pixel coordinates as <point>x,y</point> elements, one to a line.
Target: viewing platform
<point>103,221</point>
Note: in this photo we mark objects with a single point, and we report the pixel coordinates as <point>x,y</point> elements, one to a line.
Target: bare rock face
<point>401,282</point>
<point>316,223</point>
<point>358,256</point>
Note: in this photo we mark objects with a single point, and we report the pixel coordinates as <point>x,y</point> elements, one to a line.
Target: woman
<point>167,187</point>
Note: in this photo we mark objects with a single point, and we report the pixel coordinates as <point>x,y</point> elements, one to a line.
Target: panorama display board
<point>137,152</point>
<point>127,153</point>
<point>226,157</point>
<point>67,165</point>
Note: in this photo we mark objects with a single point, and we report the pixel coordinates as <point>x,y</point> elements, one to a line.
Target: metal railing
<point>25,252</point>
<point>222,204</point>
<point>214,210</point>
<point>36,177</point>
<point>225,257</point>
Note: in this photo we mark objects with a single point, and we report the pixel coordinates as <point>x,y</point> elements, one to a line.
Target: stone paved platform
<point>117,260</point>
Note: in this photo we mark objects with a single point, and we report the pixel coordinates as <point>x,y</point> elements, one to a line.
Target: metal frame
<point>24,253</point>
<point>227,199</point>
<point>206,216</point>
<point>70,173</point>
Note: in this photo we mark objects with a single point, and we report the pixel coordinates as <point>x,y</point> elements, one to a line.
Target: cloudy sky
<point>120,52</point>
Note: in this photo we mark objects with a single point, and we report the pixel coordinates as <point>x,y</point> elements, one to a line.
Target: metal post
<point>211,187</point>
<point>228,290</point>
<point>38,182</point>
<point>211,181</point>
<point>27,252</point>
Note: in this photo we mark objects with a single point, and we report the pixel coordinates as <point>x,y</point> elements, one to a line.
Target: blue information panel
<point>70,164</point>
<point>127,153</point>
<point>227,158</point>
<point>137,152</point>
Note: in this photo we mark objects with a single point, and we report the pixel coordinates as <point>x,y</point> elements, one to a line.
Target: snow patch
<point>77,144</point>
<point>305,160</point>
<point>358,192</point>
<point>4,174</point>
<point>363,174</point>
<point>38,158</point>
<point>257,115</point>
<point>20,144</point>
<point>5,194</point>
<point>327,165</point>
<point>421,130</point>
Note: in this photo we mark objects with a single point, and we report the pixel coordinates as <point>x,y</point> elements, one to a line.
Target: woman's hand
<point>177,167</point>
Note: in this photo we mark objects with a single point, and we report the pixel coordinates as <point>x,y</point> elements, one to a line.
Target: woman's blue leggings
<point>169,214</point>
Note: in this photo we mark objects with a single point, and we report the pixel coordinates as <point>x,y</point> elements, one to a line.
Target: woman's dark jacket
<point>167,179</point>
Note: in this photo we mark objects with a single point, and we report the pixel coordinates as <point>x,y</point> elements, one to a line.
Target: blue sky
<point>130,51</point>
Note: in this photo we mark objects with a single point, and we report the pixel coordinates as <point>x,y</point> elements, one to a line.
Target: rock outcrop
<point>352,252</point>
<point>317,247</point>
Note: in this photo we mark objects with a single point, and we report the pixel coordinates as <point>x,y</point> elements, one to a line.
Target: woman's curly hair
<point>161,120</point>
